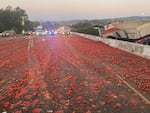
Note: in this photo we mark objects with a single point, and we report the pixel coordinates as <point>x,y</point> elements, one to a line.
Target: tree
<point>86,28</point>
<point>11,19</point>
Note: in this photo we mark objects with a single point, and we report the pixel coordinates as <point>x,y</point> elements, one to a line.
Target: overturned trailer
<point>138,31</point>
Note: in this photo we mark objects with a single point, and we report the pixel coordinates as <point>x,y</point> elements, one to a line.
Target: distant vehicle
<point>8,33</point>
<point>64,30</point>
<point>40,32</point>
<point>66,33</point>
<point>55,32</point>
<point>28,32</point>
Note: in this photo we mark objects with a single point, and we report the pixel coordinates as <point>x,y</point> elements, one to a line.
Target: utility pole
<point>22,23</point>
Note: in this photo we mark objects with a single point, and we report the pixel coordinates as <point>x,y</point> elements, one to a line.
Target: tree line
<point>84,27</point>
<point>11,19</point>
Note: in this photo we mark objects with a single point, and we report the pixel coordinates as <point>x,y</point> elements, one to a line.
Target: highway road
<point>71,74</point>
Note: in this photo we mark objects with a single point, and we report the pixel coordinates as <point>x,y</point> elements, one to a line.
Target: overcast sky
<point>80,9</point>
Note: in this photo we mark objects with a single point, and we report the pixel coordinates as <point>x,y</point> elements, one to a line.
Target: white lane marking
<point>30,43</point>
<point>133,89</point>
<point>127,84</point>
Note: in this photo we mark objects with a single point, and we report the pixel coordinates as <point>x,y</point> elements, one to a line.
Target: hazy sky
<point>80,9</point>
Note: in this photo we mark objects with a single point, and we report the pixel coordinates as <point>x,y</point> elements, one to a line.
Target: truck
<point>137,31</point>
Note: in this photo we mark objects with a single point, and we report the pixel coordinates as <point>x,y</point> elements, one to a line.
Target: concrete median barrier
<point>92,37</point>
<point>137,49</point>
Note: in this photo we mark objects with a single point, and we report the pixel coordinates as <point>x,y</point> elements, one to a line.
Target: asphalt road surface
<point>70,74</point>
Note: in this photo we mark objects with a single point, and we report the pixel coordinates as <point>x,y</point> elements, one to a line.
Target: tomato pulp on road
<point>70,74</point>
